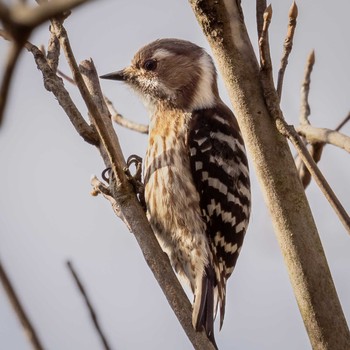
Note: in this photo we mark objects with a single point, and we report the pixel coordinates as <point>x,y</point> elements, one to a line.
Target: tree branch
<point>92,312</point>
<point>23,15</point>
<point>305,89</point>
<point>287,47</point>
<point>276,172</point>
<point>126,123</point>
<point>322,135</point>
<point>346,119</point>
<point>29,330</point>
<point>260,9</point>
<point>19,21</point>
<point>272,102</point>
<point>54,84</point>
<point>10,65</point>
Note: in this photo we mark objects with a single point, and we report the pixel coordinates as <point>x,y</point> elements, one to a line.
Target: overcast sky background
<point>48,216</point>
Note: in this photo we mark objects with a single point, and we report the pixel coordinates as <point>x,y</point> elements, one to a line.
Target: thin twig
<point>288,45</point>
<point>121,120</point>
<point>66,77</point>
<point>12,59</point>
<point>347,118</point>
<point>92,312</point>
<point>116,117</point>
<point>54,84</point>
<point>260,9</point>
<point>264,51</point>
<point>315,149</point>
<point>93,110</point>
<point>30,332</point>
<point>272,102</point>
<point>305,89</point>
<point>53,51</point>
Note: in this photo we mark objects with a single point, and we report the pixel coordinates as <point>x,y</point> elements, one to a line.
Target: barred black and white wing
<point>220,172</point>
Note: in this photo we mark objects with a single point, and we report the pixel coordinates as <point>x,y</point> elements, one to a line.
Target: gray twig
<point>30,332</point>
<point>92,312</point>
<point>287,47</point>
<point>121,120</point>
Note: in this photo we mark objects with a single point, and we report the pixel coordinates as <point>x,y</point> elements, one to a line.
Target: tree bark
<point>223,24</point>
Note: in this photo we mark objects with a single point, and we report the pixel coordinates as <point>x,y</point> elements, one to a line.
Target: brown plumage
<point>196,175</point>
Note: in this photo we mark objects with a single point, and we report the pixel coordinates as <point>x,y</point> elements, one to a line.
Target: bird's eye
<point>150,65</point>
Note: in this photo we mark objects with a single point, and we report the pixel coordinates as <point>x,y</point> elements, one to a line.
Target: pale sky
<point>48,216</point>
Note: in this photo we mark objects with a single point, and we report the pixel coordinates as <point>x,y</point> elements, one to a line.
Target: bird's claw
<point>136,180</point>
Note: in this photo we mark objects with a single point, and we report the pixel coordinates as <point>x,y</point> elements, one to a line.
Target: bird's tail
<point>203,306</point>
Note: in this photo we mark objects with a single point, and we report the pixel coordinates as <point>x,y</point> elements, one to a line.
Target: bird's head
<point>173,72</point>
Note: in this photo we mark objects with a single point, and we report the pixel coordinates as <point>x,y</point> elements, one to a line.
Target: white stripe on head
<point>160,54</point>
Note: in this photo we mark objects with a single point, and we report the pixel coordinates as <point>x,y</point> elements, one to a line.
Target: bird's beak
<point>120,75</point>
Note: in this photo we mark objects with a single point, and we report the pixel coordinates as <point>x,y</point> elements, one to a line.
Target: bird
<point>196,174</point>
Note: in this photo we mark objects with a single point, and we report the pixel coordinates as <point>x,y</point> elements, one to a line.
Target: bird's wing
<point>220,172</point>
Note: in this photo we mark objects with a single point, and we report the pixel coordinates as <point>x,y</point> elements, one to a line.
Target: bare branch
<point>264,47</point>
<point>92,312</point>
<point>23,15</point>
<point>315,149</point>
<point>272,102</point>
<point>30,332</point>
<point>347,118</point>
<point>126,123</point>
<point>116,117</point>
<point>54,84</point>
<point>260,9</point>
<point>19,20</point>
<point>53,51</point>
<point>10,65</point>
<point>66,77</point>
<point>323,135</point>
<point>290,132</point>
<point>287,47</point>
<point>305,89</point>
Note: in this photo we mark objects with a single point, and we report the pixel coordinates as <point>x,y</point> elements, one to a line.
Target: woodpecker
<point>196,176</point>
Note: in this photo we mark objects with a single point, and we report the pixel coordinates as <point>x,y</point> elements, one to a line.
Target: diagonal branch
<point>92,312</point>
<point>346,119</point>
<point>122,121</point>
<point>54,84</point>
<point>20,312</point>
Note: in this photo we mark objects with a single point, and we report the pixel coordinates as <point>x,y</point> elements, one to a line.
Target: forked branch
<point>272,102</point>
